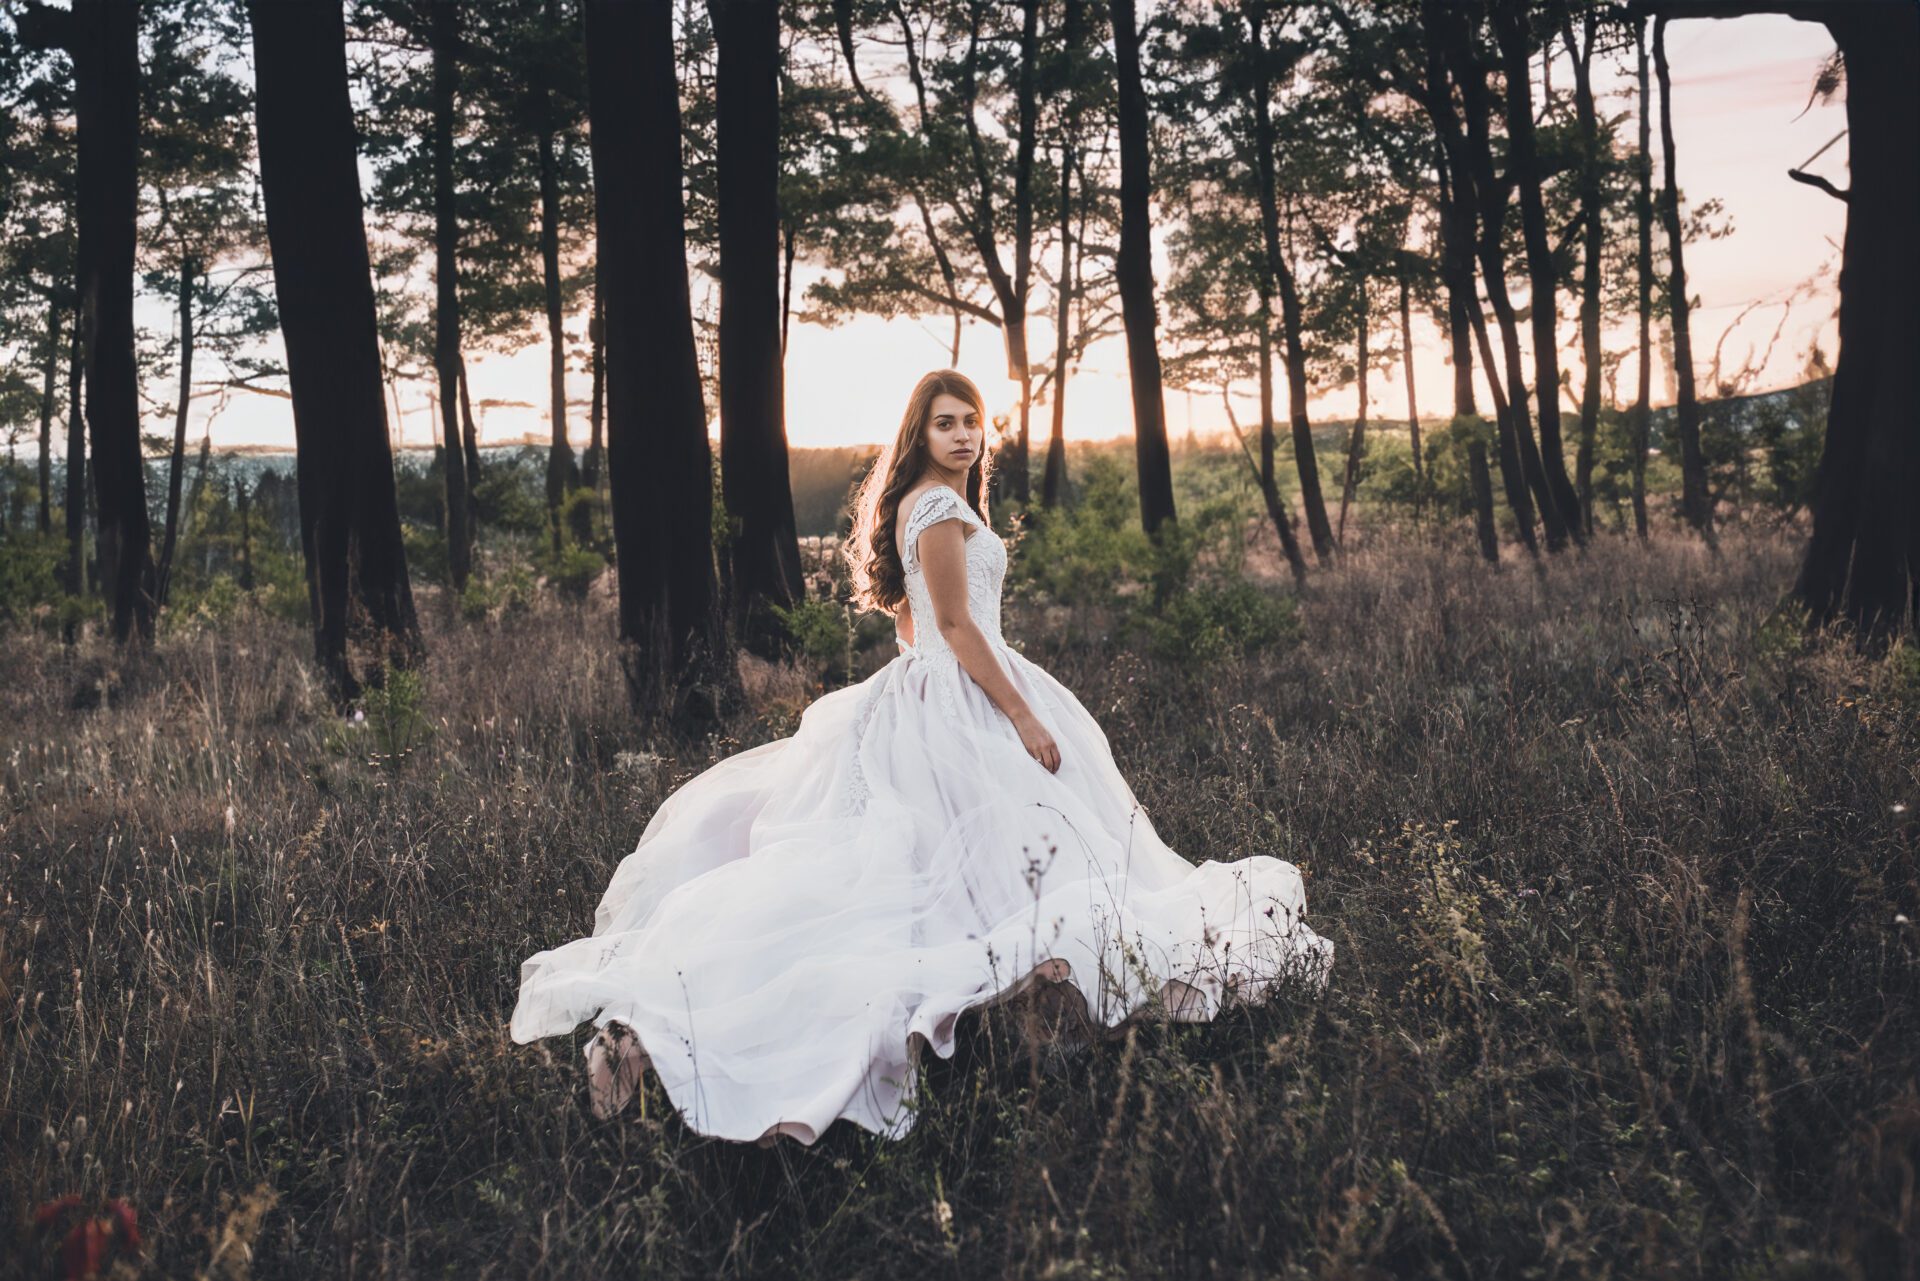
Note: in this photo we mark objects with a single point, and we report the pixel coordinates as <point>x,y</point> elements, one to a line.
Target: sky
<point>1741,120</point>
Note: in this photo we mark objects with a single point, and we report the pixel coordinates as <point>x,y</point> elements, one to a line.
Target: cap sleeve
<point>937,504</point>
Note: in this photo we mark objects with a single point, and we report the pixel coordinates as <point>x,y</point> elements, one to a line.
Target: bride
<point>802,920</point>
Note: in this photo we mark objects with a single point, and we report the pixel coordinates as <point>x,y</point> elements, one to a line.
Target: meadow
<point>1619,864</point>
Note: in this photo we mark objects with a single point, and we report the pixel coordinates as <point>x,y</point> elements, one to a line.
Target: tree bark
<point>1357,443</point>
<point>1591,201</point>
<point>1862,562</point>
<point>1643,219</point>
<point>1291,323</point>
<point>562,474</point>
<point>1413,404</point>
<point>1456,271</point>
<point>106,62</point>
<point>1133,270</point>
<point>1053,484</point>
<point>49,371</point>
<point>349,519</point>
<point>177,460</point>
<point>76,506</point>
<point>659,465</point>
<point>443,36</point>
<point>597,344</point>
<point>1694,499</point>
<point>1490,195</point>
<point>1513,35</point>
<point>765,551</point>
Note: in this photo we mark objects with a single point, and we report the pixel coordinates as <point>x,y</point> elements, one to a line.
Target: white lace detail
<point>986,557</point>
<point>854,799</point>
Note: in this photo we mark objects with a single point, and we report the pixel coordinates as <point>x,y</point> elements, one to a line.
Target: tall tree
<point>1280,272</point>
<point>106,61</point>
<point>1054,480</point>
<point>1643,276</point>
<point>1513,35</point>
<point>443,40</point>
<point>1695,502</point>
<point>1134,271</point>
<point>1592,160</point>
<point>658,460</point>
<point>309,171</point>
<point>557,50</point>
<point>765,549</point>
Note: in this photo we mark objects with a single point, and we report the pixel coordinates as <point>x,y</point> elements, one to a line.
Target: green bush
<point>574,570</point>
<point>1213,621</point>
<point>819,627</point>
<point>29,573</point>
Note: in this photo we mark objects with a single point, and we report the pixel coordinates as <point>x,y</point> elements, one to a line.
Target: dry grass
<point>1616,869</point>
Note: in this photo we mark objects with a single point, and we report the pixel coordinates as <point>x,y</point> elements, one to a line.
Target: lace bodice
<point>986,569</point>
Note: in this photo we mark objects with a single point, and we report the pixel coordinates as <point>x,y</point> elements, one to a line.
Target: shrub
<point>1219,620</point>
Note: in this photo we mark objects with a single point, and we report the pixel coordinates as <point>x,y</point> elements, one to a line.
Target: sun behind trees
<point>1239,192</point>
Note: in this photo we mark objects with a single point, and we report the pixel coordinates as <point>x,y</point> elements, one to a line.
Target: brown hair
<point>879,578</point>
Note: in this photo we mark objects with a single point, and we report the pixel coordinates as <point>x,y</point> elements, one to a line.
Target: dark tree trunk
<point>1863,560</point>
<point>106,62</point>
<point>49,371</point>
<point>1053,484</point>
<point>470,447</point>
<point>1281,272</point>
<point>1591,201</point>
<point>1694,500</point>
<point>76,505</point>
<point>1490,194</point>
<point>765,551</point>
<point>349,520</point>
<point>1010,289</point>
<point>1456,271</point>
<point>1643,219</point>
<point>1357,443</point>
<point>443,37</point>
<point>658,460</point>
<point>1277,510</point>
<point>1413,403</point>
<point>562,472</point>
<point>1133,271</point>
<point>177,460</point>
<point>597,345</point>
<point>1513,33</point>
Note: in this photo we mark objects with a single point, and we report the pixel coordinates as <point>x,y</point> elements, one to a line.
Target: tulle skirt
<point>799,921</point>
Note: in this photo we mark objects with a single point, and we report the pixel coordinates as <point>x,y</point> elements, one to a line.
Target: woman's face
<point>955,436</point>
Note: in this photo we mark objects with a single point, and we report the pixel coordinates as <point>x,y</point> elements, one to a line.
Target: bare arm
<point>943,560</point>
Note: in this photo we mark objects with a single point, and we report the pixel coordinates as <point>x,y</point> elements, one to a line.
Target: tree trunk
<point>177,460</point>
<point>76,505</point>
<point>1863,560</point>
<point>1491,197</point>
<point>659,464</point>
<point>106,61</point>
<point>1053,483</point>
<point>243,499</point>
<point>1277,509</point>
<point>309,169</point>
<point>470,447</point>
<point>1456,271</point>
<point>1357,444</point>
<point>49,371</point>
<point>1281,271</point>
<point>443,36</point>
<point>1512,31</point>
<point>1133,271</point>
<point>562,474</point>
<point>1591,201</point>
<point>1413,404</point>
<point>1694,500</point>
<point>765,551</point>
<point>1643,219</point>
<point>597,344</point>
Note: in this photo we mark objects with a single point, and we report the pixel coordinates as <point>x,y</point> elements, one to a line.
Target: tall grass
<point>1620,870</point>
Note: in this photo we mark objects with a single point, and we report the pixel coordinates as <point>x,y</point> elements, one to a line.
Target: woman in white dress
<point>801,920</point>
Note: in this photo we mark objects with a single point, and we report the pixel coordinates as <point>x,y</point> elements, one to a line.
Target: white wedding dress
<point>800,919</point>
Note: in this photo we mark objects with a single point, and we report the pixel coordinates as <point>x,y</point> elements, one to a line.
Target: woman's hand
<point>1038,742</point>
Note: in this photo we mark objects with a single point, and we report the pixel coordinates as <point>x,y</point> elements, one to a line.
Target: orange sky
<point>1740,87</point>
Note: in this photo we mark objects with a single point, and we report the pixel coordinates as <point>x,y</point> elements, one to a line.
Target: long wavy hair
<point>873,553</point>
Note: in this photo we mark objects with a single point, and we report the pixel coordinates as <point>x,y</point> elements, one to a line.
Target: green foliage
<point>386,724</point>
<point>1093,548</point>
<point>1220,620</point>
<point>30,565</point>
<point>511,495</point>
<point>819,627</point>
<point>426,552</point>
<point>574,570</point>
